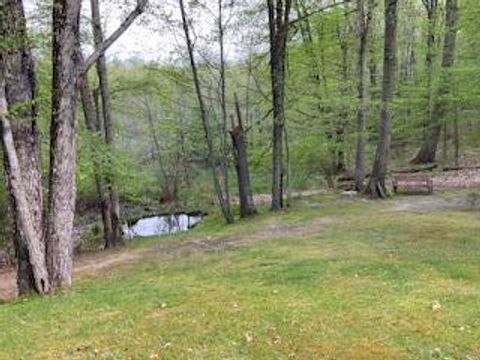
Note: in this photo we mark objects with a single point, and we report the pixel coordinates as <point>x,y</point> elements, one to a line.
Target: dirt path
<point>267,198</point>
<point>88,263</point>
<point>427,203</point>
<point>466,178</point>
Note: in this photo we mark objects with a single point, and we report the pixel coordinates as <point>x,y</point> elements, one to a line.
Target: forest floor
<point>333,277</point>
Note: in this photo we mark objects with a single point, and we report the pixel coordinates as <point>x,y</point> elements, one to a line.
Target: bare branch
<point>116,34</point>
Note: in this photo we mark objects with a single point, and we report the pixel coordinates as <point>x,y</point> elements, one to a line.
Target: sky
<point>150,37</point>
<point>138,42</point>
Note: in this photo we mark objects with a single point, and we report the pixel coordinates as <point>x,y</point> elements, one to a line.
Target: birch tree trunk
<point>376,185</point>
<point>63,130</point>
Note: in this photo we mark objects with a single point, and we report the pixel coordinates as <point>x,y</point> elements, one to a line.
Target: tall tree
<point>339,157</point>
<point>247,206</point>
<point>364,18</point>
<point>428,150</point>
<point>224,205</point>
<point>376,185</point>
<point>69,70</point>
<point>20,92</point>
<point>112,200</point>
<point>223,100</point>
<point>63,130</point>
<point>431,7</point>
<point>409,30</point>
<point>92,120</point>
<point>278,21</point>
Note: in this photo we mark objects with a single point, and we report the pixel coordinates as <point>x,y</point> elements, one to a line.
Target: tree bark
<point>101,65</point>
<point>63,130</point>
<point>428,150</point>
<point>24,216</point>
<point>407,67</point>
<point>456,137</point>
<point>364,18</point>
<point>372,50</point>
<point>431,8</point>
<point>223,102</point>
<point>224,205</point>
<point>376,185</point>
<point>20,88</point>
<point>339,157</point>
<point>445,143</point>
<point>247,206</point>
<point>278,20</point>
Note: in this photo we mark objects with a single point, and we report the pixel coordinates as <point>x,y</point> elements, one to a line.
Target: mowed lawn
<point>327,279</point>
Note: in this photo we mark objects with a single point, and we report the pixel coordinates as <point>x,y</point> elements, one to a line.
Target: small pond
<point>162,224</point>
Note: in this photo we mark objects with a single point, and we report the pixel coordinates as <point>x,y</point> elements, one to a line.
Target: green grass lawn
<point>368,283</point>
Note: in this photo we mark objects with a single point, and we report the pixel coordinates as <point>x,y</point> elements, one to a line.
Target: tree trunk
<point>372,50</point>
<point>278,19</point>
<point>364,18</point>
<point>247,206</point>
<point>25,220</point>
<point>63,129</point>
<point>101,66</point>
<point>224,205</point>
<point>428,150</point>
<point>223,102</point>
<point>20,88</point>
<point>431,8</point>
<point>91,116</point>
<point>456,137</point>
<point>339,157</point>
<point>409,29</point>
<point>288,172</point>
<point>376,185</point>
<point>445,143</point>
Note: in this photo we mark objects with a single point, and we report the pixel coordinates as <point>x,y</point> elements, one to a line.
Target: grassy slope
<point>359,287</point>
